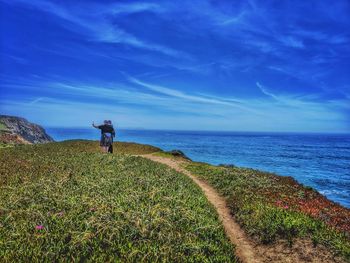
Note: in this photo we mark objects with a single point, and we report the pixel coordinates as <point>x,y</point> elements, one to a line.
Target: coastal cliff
<point>17,130</point>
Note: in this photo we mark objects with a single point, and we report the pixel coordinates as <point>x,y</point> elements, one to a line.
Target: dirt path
<point>245,248</point>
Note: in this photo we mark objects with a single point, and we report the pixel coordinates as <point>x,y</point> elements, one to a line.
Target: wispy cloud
<point>295,101</point>
<point>132,106</point>
<point>264,90</point>
<point>35,101</point>
<point>98,27</point>
<point>175,93</point>
<point>194,98</point>
<point>309,105</point>
<point>17,59</point>
<point>232,20</point>
<point>201,58</point>
<point>290,41</point>
<point>129,8</point>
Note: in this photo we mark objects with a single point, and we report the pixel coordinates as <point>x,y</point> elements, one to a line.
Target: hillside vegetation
<point>68,202</point>
<point>272,208</point>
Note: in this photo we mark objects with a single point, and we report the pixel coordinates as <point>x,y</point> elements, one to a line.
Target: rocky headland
<point>17,130</point>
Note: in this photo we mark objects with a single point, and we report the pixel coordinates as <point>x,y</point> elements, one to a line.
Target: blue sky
<point>187,65</point>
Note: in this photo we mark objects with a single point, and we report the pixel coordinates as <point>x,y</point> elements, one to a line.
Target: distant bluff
<point>18,130</point>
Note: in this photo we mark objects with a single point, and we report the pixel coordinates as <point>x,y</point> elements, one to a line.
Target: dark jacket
<point>107,129</point>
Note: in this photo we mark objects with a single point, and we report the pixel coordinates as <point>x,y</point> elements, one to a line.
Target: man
<point>107,135</point>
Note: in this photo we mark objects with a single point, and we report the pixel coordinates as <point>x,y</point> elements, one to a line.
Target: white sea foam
<point>334,192</point>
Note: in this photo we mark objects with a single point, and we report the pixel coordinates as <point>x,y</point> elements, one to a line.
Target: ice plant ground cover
<point>272,207</point>
<point>66,201</point>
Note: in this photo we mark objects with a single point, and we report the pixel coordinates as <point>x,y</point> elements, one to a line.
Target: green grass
<point>102,207</point>
<point>5,145</point>
<point>93,147</point>
<point>3,127</point>
<point>252,199</point>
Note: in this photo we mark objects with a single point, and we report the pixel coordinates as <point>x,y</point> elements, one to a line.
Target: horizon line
<point>222,131</point>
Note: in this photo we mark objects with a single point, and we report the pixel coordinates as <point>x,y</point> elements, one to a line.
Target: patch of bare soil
<point>9,138</point>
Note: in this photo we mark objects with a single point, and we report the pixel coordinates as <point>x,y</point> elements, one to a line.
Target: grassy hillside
<point>2,127</point>
<point>65,201</point>
<point>271,207</point>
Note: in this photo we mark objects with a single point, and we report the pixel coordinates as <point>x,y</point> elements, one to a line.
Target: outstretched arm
<point>93,125</point>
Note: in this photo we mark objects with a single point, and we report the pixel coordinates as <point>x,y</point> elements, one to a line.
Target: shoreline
<point>322,200</point>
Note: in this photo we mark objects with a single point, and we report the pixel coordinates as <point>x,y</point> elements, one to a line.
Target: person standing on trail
<point>107,135</point>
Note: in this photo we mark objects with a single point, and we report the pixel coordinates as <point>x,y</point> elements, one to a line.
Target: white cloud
<point>291,41</point>
<point>264,90</point>
<point>36,100</point>
<point>98,27</point>
<point>207,99</point>
<point>79,104</point>
<point>123,8</point>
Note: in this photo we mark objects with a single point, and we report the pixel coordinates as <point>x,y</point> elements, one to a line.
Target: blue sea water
<point>321,161</point>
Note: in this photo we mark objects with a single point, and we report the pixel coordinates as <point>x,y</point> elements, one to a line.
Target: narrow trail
<point>244,248</point>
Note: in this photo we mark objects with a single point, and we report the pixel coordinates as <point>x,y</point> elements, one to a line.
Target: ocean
<point>321,161</point>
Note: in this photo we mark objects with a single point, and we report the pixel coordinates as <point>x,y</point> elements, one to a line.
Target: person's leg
<point>110,148</point>
<point>102,143</point>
